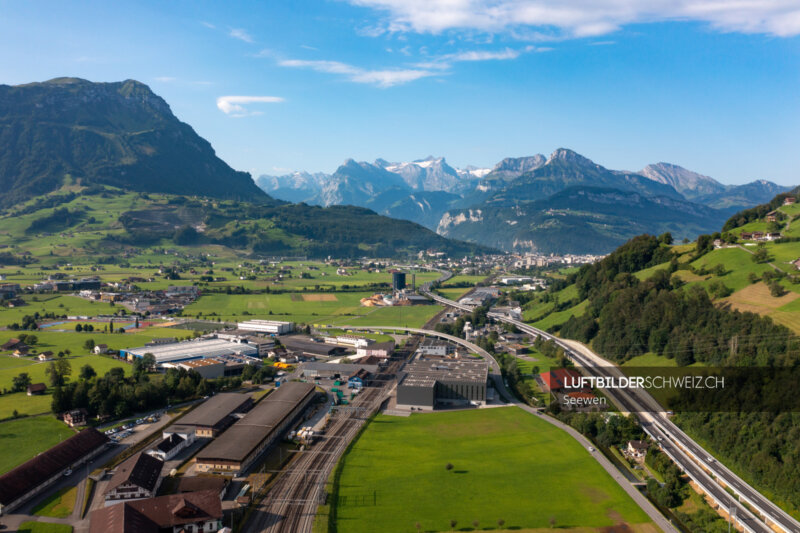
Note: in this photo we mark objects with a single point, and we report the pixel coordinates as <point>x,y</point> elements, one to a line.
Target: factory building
<point>194,349</point>
<point>271,327</point>
<point>243,443</point>
<point>216,414</point>
<point>432,381</point>
<point>333,370</point>
<point>435,347</point>
<point>398,280</point>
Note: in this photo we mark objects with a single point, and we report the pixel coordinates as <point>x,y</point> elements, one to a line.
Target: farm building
<point>429,381</point>
<point>34,476</point>
<point>216,414</point>
<point>239,447</point>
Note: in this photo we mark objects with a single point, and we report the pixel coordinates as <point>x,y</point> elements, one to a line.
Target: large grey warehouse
<point>432,380</point>
<point>238,447</point>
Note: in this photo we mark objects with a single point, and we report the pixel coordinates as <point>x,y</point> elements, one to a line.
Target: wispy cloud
<point>242,35</point>
<point>235,105</point>
<point>165,79</point>
<point>582,18</point>
<point>207,24</point>
<point>446,61</point>
<point>380,77</point>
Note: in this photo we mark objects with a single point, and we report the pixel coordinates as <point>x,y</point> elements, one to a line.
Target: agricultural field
<point>506,465</point>
<point>26,437</point>
<point>24,404</point>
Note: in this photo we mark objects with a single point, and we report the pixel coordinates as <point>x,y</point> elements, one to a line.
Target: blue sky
<point>711,85</point>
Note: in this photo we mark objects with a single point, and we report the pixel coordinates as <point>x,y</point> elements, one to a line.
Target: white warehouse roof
<point>195,349</point>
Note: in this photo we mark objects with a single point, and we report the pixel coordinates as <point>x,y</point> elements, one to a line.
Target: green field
<point>507,464</point>
<point>324,308</point>
<point>24,404</point>
<point>36,371</point>
<point>24,438</point>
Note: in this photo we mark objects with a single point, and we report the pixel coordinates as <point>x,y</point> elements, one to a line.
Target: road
<point>494,374</point>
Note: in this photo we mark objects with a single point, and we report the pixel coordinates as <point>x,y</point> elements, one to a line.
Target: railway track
<point>290,505</point>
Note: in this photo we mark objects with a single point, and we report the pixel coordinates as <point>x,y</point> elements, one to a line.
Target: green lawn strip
<point>396,471</point>
<point>59,504</point>
<point>43,527</point>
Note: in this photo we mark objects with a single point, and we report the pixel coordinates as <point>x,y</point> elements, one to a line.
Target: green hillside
<point>102,223</point>
<point>736,303</point>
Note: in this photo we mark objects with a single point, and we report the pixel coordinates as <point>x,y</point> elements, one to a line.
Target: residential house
<point>100,349</point>
<point>789,200</point>
<point>772,216</point>
<point>636,449</point>
<point>169,447</point>
<point>76,417</point>
<point>45,356</point>
<point>746,236</point>
<point>193,512</point>
<point>136,478</point>
<point>22,351</point>
<point>560,379</point>
<point>37,389</point>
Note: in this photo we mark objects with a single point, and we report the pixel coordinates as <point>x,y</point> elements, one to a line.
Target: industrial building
<point>271,327</point>
<point>435,347</point>
<point>194,349</point>
<point>306,346</point>
<point>398,280</point>
<point>240,446</point>
<point>333,370</point>
<point>430,381</point>
<point>216,414</point>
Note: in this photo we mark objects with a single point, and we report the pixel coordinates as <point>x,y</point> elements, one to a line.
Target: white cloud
<point>444,62</point>
<point>380,77</point>
<point>235,105</point>
<point>584,18</point>
<point>242,35</point>
<point>165,79</point>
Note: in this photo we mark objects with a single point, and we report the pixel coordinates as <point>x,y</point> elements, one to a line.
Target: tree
<point>776,289</point>
<point>78,328</point>
<point>453,524</point>
<point>448,466</point>
<point>21,382</point>
<point>87,372</point>
<point>501,522</point>
<point>760,255</point>
<point>31,340</point>
<point>552,522</point>
<point>88,345</point>
<point>58,371</point>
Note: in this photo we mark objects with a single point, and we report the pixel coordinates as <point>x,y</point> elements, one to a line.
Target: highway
<point>687,454</point>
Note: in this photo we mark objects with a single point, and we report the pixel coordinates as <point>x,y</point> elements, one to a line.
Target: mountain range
<point>111,162</point>
<point>561,203</point>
